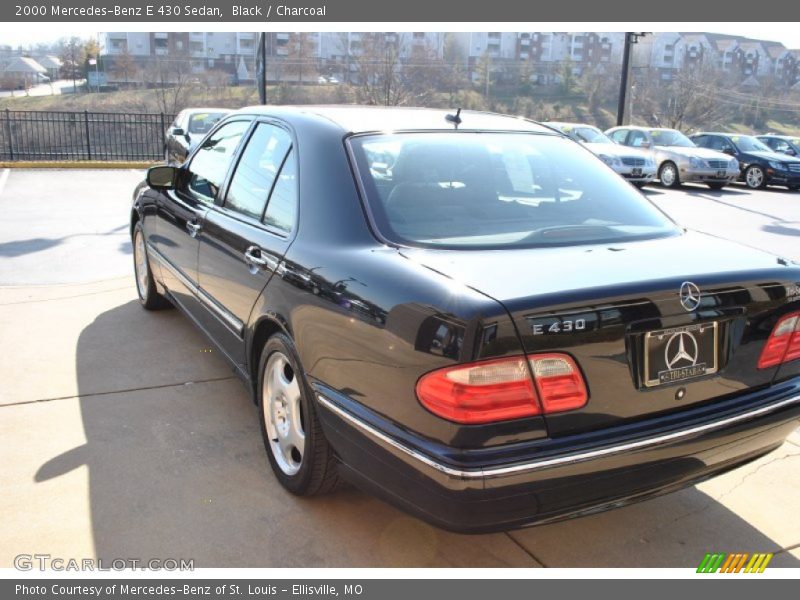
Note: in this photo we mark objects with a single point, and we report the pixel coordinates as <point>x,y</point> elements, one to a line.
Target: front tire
<point>755,178</point>
<point>146,288</point>
<point>668,175</point>
<point>299,454</point>
<point>794,188</point>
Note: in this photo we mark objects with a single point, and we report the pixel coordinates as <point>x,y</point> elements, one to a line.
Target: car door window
<point>210,163</point>
<point>619,135</point>
<point>637,139</point>
<point>257,170</point>
<point>779,145</point>
<point>282,208</point>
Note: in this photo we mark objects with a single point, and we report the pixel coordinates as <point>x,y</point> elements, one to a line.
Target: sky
<point>787,34</point>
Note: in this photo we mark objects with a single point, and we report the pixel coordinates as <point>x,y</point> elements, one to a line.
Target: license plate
<point>680,353</point>
<point>636,172</point>
<point>720,174</point>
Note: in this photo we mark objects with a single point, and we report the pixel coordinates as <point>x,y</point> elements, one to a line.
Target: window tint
<point>498,190</point>
<point>257,169</point>
<point>282,207</point>
<point>211,161</point>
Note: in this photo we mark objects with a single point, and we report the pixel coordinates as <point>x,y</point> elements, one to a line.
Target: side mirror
<point>645,145</point>
<point>790,152</point>
<point>162,177</point>
<point>728,151</point>
<point>176,131</point>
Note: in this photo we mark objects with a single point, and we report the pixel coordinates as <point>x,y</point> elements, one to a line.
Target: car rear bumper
<point>513,486</point>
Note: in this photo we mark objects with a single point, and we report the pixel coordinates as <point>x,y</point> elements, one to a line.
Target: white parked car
<point>635,165</point>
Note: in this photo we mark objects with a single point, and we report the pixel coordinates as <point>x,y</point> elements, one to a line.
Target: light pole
<point>630,39</point>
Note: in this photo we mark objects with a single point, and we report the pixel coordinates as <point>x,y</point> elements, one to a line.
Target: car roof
<point>363,119</point>
<point>640,128</point>
<point>723,134</point>
<point>779,136</point>
<point>203,109</point>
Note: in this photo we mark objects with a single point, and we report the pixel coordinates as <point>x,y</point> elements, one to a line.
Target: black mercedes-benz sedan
<point>760,165</point>
<point>467,314</point>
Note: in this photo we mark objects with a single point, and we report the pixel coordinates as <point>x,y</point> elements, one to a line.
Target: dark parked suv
<point>761,166</point>
<point>467,314</point>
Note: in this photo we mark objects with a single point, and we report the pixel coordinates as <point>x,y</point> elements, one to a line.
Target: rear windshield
<point>498,190</point>
<point>203,122</point>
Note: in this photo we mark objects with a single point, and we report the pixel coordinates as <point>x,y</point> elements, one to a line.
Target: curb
<point>75,164</point>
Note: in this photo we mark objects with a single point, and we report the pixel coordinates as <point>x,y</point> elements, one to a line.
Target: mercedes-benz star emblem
<point>690,296</point>
<point>682,346</point>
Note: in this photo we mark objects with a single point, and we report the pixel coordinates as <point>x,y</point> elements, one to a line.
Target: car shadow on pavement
<point>177,469</point>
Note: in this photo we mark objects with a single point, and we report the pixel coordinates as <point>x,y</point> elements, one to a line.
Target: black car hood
<point>773,156</point>
<point>511,275</point>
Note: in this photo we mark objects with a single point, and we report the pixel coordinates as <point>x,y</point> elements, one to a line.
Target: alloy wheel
<point>140,264</point>
<point>755,177</point>
<point>283,413</point>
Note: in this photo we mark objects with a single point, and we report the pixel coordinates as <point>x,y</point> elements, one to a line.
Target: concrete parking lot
<point>122,435</point>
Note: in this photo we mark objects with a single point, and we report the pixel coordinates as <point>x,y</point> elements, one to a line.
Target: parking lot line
<point>3,179</point>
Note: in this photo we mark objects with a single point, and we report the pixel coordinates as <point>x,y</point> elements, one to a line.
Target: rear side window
<point>498,190</point>
<point>257,170</point>
<point>282,208</point>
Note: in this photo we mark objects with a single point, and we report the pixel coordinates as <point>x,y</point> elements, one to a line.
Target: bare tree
<point>484,72</point>
<point>453,75</point>
<point>125,66</point>
<point>72,55</point>
<point>172,80</point>
<point>300,62</point>
<point>421,73</point>
<point>693,96</point>
<point>378,68</point>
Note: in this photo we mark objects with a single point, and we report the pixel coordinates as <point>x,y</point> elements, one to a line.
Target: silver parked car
<point>636,165</point>
<point>678,158</point>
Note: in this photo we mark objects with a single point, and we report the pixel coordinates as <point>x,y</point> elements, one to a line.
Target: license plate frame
<point>696,341</point>
<point>721,174</point>
<point>636,172</point>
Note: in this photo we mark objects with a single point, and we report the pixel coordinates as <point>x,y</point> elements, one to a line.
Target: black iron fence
<point>59,135</point>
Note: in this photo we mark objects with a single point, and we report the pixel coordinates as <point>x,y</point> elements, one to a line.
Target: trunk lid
<point>598,303</point>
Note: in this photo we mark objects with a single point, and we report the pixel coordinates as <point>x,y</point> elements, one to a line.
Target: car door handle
<point>194,228</point>
<point>255,257</point>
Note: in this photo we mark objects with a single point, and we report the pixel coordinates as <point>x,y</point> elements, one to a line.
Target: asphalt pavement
<point>123,435</point>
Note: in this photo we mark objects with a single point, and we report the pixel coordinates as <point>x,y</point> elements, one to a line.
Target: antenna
<point>454,119</point>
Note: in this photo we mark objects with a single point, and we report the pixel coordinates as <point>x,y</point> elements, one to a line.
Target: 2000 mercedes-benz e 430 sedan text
<point>467,314</point>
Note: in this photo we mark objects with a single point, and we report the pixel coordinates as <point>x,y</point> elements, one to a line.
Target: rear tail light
<point>502,389</point>
<point>783,343</point>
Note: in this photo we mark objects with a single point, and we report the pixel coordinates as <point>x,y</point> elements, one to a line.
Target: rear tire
<point>794,188</point>
<point>668,175</point>
<point>146,288</point>
<point>300,456</point>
